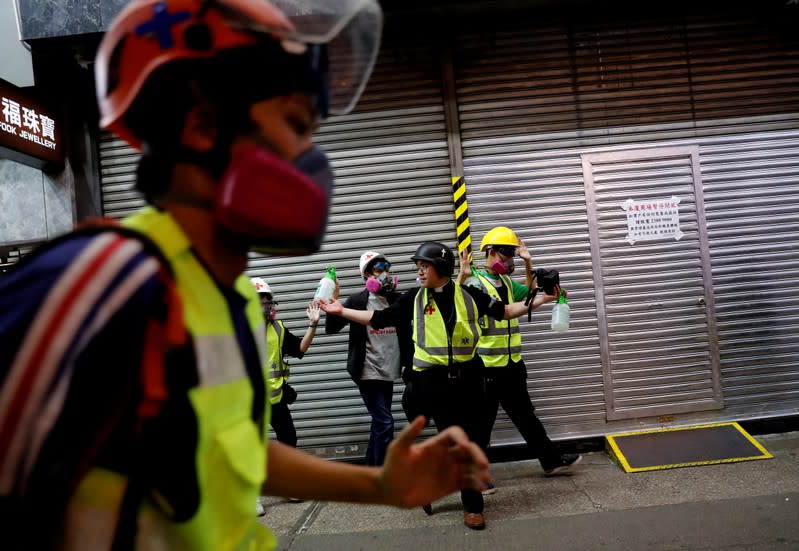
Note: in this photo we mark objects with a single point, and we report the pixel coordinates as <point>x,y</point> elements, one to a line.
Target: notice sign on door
<point>649,220</point>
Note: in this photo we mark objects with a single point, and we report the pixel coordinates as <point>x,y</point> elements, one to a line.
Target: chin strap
<point>181,198</point>
<point>214,161</point>
<point>154,171</point>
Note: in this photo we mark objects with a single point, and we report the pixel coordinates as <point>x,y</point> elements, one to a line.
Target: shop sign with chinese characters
<point>29,133</point>
<point>653,219</point>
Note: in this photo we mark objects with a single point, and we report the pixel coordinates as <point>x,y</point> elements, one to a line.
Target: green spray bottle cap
<point>562,297</point>
<point>331,272</point>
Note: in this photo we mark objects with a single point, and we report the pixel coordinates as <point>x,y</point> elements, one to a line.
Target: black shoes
<point>565,465</point>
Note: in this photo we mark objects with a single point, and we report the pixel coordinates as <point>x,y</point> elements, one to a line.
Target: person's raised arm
<point>465,267</point>
<point>313,318</point>
<point>364,317</point>
<point>334,324</point>
<point>529,275</point>
<point>517,309</point>
<point>413,473</point>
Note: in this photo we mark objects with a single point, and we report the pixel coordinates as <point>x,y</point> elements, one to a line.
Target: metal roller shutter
<point>11,254</point>
<point>118,177</point>
<point>392,192</point>
<point>752,203</point>
<point>535,96</point>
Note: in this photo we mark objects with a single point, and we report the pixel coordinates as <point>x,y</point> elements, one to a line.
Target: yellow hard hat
<point>500,236</point>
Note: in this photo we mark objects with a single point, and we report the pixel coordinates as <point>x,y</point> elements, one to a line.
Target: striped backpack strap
<point>34,387</point>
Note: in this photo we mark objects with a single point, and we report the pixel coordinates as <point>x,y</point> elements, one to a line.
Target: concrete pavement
<point>735,506</point>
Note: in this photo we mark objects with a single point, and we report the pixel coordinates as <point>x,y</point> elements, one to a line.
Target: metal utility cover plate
<point>684,447</point>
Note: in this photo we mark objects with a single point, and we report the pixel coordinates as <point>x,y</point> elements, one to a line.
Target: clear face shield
<point>333,46</point>
<point>342,36</point>
<point>351,31</point>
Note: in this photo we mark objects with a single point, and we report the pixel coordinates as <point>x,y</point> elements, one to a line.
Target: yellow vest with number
<point>501,340</point>
<point>230,459</point>
<point>433,345</point>
<point>278,369</point>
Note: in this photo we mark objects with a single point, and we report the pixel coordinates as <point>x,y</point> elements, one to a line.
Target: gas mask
<point>503,267</point>
<point>382,283</point>
<point>270,310</point>
<point>282,207</point>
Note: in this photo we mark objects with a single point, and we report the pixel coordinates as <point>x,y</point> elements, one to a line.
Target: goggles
<point>384,265</point>
<point>506,251</point>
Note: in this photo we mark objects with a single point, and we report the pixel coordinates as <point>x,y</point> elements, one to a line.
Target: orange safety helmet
<point>148,34</point>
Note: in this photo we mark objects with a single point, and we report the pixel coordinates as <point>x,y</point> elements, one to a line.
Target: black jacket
<point>356,353</point>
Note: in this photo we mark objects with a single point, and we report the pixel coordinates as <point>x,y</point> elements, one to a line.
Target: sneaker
<point>490,489</point>
<point>567,461</point>
<point>259,509</point>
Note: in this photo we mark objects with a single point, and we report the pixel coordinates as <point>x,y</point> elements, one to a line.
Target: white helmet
<point>261,286</point>
<point>368,257</point>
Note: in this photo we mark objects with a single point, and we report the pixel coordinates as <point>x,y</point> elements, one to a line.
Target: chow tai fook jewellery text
<point>29,133</point>
<point>648,220</point>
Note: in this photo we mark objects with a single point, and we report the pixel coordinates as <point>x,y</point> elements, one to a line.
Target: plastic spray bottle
<point>472,280</point>
<point>326,286</point>
<point>560,313</point>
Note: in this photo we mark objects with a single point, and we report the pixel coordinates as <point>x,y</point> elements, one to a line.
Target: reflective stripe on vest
<point>231,450</point>
<point>433,345</point>
<point>278,369</point>
<point>501,340</point>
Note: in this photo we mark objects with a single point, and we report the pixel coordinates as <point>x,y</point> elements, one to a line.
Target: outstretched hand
<point>333,307</point>
<point>551,298</point>
<point>416,474</point>
<point>313,312</point>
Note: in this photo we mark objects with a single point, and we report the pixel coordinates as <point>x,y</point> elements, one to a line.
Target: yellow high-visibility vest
<point>278,369</point>
<point>433,345</point>
<point>501,340</point>
<point>230,460</point>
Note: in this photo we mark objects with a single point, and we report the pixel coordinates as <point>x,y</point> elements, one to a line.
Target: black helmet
<point>437,254</point>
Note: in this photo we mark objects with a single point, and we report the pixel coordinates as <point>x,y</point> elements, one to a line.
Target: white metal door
<point>652,278</point>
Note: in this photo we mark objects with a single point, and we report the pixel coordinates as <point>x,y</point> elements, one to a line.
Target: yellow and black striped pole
<point>461,216</point>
